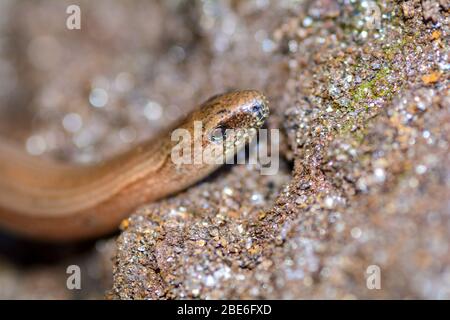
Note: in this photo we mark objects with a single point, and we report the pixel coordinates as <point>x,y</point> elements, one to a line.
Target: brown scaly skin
<point>45,200</point>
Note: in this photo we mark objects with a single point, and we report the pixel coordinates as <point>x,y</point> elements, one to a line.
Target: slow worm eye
<point>218,134</point>
<point>258,110</point>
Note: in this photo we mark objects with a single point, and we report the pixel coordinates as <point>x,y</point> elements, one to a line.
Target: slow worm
<point>48,200</point>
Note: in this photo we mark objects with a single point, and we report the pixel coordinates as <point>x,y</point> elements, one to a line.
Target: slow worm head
<point>47,200</point>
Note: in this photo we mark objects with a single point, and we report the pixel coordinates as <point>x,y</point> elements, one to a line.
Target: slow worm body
<point>47,200</point>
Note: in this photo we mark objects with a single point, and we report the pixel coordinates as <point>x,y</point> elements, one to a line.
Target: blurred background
<point>133,68</point>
